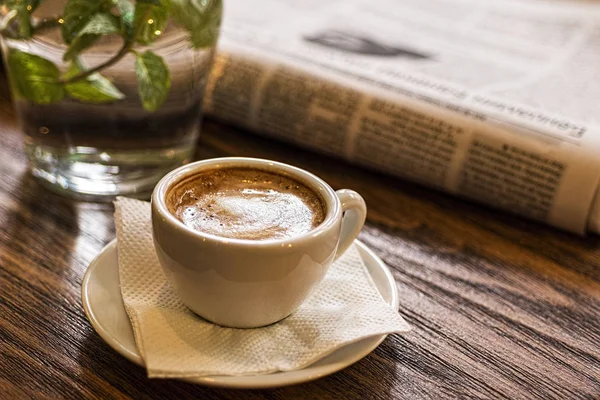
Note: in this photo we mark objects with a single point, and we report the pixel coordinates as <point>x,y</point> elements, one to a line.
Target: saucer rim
<point>277,379</point>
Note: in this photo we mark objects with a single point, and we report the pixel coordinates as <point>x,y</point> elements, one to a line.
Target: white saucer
<point>103,305</point>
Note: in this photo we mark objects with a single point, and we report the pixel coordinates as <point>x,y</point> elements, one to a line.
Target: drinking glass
<point>98,151</point>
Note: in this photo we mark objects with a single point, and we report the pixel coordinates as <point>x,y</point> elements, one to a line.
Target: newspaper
<point>493,101</point>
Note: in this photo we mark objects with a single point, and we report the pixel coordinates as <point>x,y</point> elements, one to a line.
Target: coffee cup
<point>230,277</point>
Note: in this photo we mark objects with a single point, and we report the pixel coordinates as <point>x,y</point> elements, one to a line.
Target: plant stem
<point>41,27</point>
<point>127,46</point>
<point>45,25</point>
<point>111,61</point>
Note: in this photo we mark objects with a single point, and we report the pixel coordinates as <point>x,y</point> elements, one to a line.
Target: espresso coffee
<point>246,203</point>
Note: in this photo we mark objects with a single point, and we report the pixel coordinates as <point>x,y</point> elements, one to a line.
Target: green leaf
<point>153,80</point>
<point>34,78</point>
<point>202,18</point>
<point>99,24</point>
<point>94,89</point>
<point>126,11</point>
<point>77,14</point>
<point>150,21</point>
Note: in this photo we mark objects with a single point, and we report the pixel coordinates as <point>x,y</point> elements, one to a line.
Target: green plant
<point>82,23</point>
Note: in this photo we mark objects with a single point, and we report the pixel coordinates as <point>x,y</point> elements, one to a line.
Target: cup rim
<point>328,195</point>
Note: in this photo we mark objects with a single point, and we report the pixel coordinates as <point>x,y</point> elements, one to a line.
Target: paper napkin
<point>175,342</point>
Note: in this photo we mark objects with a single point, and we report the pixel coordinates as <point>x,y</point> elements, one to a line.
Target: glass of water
<point>96,151</point>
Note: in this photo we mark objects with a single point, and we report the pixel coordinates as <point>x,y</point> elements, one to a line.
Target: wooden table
<point>501,307</point>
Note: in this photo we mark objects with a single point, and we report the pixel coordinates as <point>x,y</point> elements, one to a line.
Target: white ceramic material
<point>250,283</point>
<point>103,305</point>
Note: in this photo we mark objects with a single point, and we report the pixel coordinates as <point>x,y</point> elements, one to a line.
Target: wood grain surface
<point>501,308</point>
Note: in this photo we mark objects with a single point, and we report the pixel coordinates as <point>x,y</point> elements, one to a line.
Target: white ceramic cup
<point>246,283</point>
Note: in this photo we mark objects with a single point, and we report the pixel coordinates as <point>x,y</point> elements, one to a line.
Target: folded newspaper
<point>498,102</point>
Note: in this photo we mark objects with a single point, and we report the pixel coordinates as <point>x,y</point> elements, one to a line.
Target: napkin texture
<point>175,342</point>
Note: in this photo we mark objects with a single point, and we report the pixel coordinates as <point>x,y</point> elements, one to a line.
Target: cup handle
<point>355,213</point>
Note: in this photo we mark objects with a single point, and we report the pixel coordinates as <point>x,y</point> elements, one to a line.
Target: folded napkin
<point>175,343</point>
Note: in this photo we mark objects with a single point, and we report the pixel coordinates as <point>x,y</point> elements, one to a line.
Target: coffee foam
<point>246,203</point>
